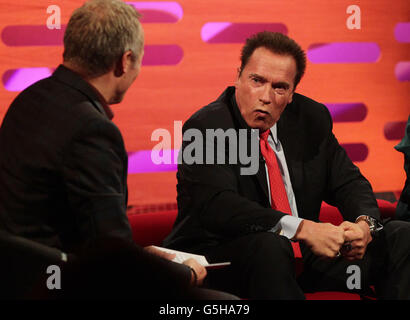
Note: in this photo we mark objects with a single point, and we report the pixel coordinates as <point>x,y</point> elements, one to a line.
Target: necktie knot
<point>264,135</point>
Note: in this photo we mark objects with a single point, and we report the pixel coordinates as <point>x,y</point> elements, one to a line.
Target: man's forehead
<point>263,55</point>
<point>271,66</point>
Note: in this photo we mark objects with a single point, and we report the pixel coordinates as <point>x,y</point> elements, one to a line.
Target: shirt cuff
<point>287,226</point>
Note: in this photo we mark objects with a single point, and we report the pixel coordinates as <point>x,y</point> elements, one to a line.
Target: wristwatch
<point>374,225</point>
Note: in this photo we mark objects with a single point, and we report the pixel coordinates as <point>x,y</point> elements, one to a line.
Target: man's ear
<point>124,63</point>
<point>291,97</point>
<point>238,74</point>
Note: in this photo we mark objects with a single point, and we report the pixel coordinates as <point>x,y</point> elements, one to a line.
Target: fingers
<point>198,271</point>
<point>160,253</point>
<point>325,239</point>
<point>339,240</point>
<point>351,231</point>
<point>357,240</point>
<point>356,251</point>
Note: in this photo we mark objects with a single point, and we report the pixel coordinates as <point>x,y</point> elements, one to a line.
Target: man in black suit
<point>403,205</point>
<point>232,215</point>
<point>63,176</point>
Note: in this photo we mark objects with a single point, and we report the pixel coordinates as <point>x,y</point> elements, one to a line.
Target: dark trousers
<point>263,267</point>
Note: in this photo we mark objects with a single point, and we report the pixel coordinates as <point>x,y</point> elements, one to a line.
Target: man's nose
<point>265,98</point>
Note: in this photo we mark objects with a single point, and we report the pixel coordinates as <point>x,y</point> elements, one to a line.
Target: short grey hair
<point>99,33</point>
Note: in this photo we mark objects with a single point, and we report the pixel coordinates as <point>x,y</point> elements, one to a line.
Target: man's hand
<point>358,234</point>
<point>324,239</point>
<point>160,253</point>
<point>198,272</point>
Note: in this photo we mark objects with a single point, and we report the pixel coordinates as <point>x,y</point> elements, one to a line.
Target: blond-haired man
<point>63,181</point>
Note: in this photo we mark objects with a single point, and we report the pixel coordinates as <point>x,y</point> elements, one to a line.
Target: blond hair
<point>99,33</point>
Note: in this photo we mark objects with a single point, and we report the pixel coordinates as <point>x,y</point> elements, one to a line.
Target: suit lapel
<point>288,134</point>
<point>241,124</point>
<point>261,176</point>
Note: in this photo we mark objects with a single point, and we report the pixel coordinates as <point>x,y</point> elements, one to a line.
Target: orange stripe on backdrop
<point>163,94</point>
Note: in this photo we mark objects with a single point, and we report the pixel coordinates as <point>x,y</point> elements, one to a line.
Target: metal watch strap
<point>374,225</point>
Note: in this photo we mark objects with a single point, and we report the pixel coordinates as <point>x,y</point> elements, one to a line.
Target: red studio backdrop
<point>358,66</point>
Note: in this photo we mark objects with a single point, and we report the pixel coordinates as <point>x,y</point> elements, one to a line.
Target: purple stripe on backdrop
<point>40,35</point>
<point>227,32</point>
<point>347,112</point>
<point>17,36</point>
<point>357,152</point>
<point>344,52</point>
<point>395,130</point>
<point>402,31</point>
<point>19,79</point>
<point>402,71</point>
<point>164,54</point>
<point>141,162</point>
<point>159,12</point>
<point>155,55</point>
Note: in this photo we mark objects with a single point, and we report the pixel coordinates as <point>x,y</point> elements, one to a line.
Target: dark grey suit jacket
<point>216,203</point>
<point>63,165</point>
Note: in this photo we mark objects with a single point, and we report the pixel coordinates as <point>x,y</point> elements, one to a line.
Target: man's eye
<point>257,80</point>
<point>280,89</point>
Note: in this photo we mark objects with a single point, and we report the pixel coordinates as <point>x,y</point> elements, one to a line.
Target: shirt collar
<point>75,80</point>
<point>273,133</point>
<point>105,105</point>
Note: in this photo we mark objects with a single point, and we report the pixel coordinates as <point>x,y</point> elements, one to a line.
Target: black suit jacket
<point>63,165</point>
<point>216,203</point>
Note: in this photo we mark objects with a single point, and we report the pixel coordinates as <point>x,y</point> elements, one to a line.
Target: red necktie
<point>279,197</point>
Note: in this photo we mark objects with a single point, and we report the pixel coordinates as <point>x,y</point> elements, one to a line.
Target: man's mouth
<point>261,112</point>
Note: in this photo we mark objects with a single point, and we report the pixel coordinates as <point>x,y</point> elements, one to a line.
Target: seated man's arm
<point>347,188</point>
<point>94,173</point>
<point>212,192</point>
<point>352,193</point>
<point>95,170</point>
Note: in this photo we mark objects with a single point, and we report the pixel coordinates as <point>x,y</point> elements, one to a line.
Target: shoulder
<point>308,106</point>
<point>306,110</point>
<point>58,102</point>
<point>51,110</point>
<point>307,119</point>
<point>217,114</point>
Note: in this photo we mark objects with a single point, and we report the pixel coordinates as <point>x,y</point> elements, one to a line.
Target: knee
<point>271,248</point>
<point>397,234</point>
<point>398,229</point>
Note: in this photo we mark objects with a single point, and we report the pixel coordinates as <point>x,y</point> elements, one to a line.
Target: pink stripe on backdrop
<point>141,162</point>
<point>159,12</point>
<point>394,130</point>
<point>402,71</point>
<point>20,79</point>
<point>347,112</point>
<point>17,36</point>
<point>344,52</point>
<point>357,152</point>
<point>164,54</point>
<point>402,32</point>
<point>227,32</point>
<point>155,55</point>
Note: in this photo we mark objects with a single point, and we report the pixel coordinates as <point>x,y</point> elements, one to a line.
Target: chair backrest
<point>331,214</point>
<point>151,228</point>
<point>22,263</point>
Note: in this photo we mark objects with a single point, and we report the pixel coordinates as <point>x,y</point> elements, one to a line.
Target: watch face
<point>374,225</point>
